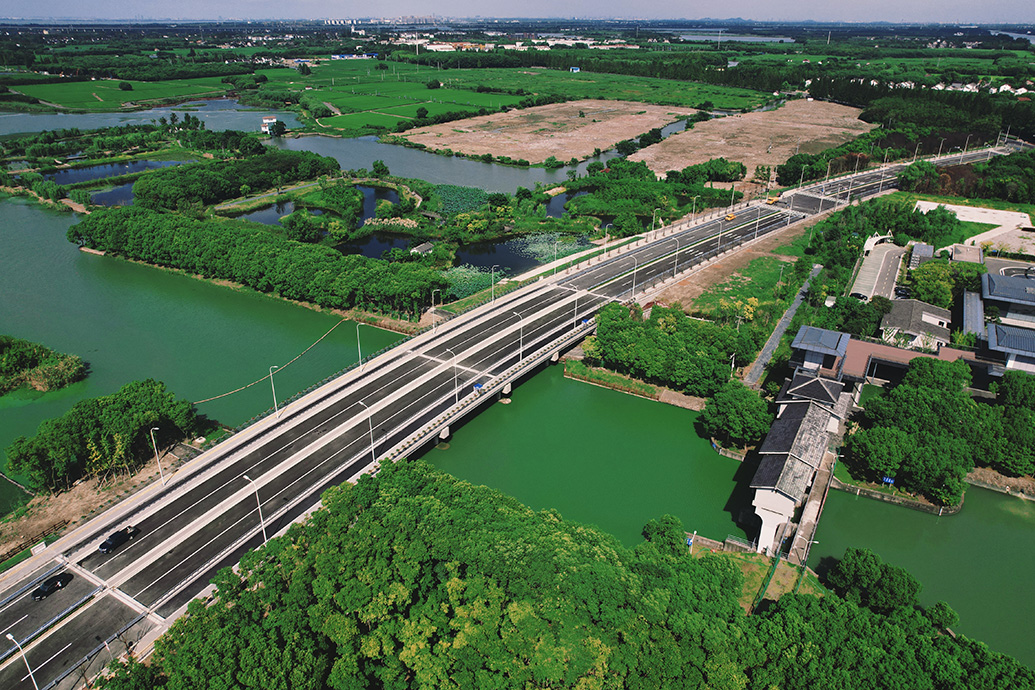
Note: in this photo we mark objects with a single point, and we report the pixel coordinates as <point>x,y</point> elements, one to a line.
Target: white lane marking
<point>14,624</point>
<point>26,676</point>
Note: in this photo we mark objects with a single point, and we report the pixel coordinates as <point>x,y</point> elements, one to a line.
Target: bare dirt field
<point>762,138</point>
<point>556,130</point>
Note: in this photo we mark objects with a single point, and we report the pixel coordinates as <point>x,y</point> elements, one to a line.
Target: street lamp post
<point>555,257</point>
<point>456,389</point>
<point>521,336</point>
<point>262,522</point>
<point>370,423</point>
<point>492,283</point>
<point>434,323</point>
<point>157,459</point>
<point>940,148</point>
<point>693,210</point>
<point>964,151</point>
<point>11,638</point>
<point>635,267</point>
<point>880,187</point>
<point>675,261</point>
<point>653,218</point>
<point>916,151</point>
<point>276,411</point>
<point>801,179</point>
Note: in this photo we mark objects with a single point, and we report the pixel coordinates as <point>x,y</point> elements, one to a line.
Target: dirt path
<point>81,501</point>
<point>97,97</point>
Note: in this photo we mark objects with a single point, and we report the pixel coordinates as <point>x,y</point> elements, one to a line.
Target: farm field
<point>104,94</point>
<point>372,97</point>
<point>586,85</point>
<point>761,138</point>
<point>563,130</point>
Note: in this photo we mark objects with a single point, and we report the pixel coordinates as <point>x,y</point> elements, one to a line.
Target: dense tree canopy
<point>736,413</point>
<point>927,433</point>
<point>208,183</point>
<point>100,436</point>
<point>258,259</point>
<point>414,579</point>
<point>669,348</point>
<point>24,362</point>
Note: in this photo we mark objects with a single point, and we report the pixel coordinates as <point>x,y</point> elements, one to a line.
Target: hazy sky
<point>988,11</point>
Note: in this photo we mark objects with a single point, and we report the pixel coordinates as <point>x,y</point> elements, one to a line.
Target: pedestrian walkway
<point>754,372</point>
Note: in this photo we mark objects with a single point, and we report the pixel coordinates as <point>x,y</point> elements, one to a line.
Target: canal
<point>599,457</point>
<point>979,561</point>
<point>216,113</point>
<point>130,321</point>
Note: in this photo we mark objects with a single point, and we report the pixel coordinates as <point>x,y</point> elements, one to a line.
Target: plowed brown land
<point>762,138</point>
<point>556,130</point>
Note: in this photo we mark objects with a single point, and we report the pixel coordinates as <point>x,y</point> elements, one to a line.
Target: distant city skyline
<point>895,11</point>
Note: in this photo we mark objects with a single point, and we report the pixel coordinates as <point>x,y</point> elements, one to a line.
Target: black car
<point>51,585</point>
<point>903,293</point>
<point>117,539</point>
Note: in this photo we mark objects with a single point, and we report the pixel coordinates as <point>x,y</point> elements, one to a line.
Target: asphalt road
<point>196,525</point>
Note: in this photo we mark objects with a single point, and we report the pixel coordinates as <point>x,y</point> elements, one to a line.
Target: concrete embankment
<point>896,500</point>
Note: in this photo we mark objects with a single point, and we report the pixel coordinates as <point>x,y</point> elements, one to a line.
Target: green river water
<point>130,321</point>
<point>979,561</point>
<point>598,456</point>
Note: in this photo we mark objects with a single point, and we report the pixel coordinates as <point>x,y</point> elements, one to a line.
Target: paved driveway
<point>879,270</point>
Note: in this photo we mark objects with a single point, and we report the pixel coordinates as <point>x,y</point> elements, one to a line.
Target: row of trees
<point>258,259</point>
<point>102,436</point>
<point>415,579</point>
<point>1010,178</point>
<point>26,363</point>
<point>208,183</point>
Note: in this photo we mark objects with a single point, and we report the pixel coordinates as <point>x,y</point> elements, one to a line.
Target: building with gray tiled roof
<point>1013,333</point>
<point>916,325</point>
<point>809,408</point>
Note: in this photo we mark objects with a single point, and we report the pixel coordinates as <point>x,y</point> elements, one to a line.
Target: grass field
<point>757,280</point>
<point>355,121</point>
<point>104,94</point>
<point>607,86</point>
<point>358,86</point>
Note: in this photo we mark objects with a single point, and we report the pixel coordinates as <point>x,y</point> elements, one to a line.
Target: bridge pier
<point>444,434</point>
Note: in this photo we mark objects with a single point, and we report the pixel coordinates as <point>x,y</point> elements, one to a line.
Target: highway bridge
<point>255,484</point>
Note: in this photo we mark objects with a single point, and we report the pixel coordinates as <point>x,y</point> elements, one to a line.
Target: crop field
<point>357,121</point>
<point>562,130</point>
<point>607,86</point>
<point>367,96</point>
<point>104,94</point>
